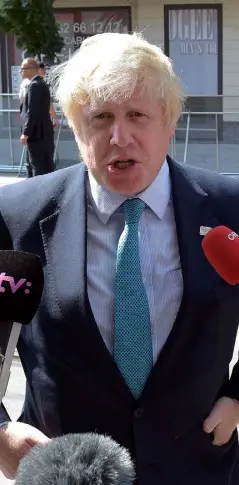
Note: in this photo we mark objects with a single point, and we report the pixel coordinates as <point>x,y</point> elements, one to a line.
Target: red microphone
<point>221,248</point>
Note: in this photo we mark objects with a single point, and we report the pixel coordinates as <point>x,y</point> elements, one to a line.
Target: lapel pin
<point>204,230</point>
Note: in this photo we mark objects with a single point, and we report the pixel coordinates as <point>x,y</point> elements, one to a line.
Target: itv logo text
<point>14,286</point>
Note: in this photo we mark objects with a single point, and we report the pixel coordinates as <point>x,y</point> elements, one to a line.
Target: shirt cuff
<point>3,424</point>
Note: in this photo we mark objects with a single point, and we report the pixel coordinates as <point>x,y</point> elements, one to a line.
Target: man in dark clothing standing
<point>37,131</point>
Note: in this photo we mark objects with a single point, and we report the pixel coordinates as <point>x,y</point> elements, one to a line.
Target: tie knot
<point>133,209</point>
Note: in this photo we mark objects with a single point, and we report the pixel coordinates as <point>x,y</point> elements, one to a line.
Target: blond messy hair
<point>109,67</point>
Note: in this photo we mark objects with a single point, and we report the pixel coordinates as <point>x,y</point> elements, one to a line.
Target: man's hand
<point>222,420</point>
<point>23,139</point>
<point>16,440</point>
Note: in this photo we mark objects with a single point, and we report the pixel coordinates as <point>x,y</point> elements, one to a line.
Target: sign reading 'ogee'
<point>193,47</point>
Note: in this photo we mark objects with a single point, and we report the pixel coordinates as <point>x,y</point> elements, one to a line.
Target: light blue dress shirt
<point>159,256</point>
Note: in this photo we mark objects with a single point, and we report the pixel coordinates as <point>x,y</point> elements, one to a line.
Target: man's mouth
<point>123,163</point>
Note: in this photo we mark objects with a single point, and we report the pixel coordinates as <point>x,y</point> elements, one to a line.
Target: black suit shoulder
<point>37,80</point>
<point>24,203</point>
<point>39,88</point>
<point>223,190</point>
<point>217,185</point>
<point>36,84</point>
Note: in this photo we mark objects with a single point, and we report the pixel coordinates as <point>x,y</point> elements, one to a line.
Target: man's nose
<point>120,134</point>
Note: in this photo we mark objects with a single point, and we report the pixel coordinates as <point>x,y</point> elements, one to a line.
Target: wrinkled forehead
<point>136,101</point>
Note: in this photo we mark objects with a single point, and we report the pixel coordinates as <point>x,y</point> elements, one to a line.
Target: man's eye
<point>102,116</point>
<point>137,114</point>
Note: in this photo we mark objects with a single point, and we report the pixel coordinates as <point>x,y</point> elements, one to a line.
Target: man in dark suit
<point>37,131</point>
<point>135,330</point>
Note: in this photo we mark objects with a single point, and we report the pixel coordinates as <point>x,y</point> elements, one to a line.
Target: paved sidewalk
<point>9,179</point>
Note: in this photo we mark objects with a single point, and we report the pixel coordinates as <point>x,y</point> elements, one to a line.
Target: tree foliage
<point>34,25</point>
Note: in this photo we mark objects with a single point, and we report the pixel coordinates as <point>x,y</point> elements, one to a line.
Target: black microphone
<point>77,459</point>
<point>21,286</point>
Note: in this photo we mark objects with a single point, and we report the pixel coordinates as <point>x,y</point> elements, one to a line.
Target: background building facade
<point>202,40</point>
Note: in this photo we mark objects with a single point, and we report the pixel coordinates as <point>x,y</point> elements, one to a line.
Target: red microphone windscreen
<point>221,247</point>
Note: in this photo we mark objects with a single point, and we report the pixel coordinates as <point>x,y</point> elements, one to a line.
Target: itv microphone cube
<point>21,286</point>
<point>221,248</point>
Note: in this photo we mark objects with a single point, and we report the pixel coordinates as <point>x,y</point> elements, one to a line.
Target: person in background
<point>37,132</point>
<point>22,93</point>
<point>42,73</point>
<point>135,331</point>
<point>42,69</point>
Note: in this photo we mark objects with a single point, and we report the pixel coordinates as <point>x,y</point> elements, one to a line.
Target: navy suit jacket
<point>73,384</point>
<point>37,124</point>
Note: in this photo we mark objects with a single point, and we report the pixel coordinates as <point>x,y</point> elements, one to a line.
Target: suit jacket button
<point>139,413</point>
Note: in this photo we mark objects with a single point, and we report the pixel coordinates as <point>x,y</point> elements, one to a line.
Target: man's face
<point>124,145</point>
<point>41,71</point>
<point>25,70</point>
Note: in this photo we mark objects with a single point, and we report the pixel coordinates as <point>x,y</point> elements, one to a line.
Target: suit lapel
<point>63,234</point>
<point>193,208</point>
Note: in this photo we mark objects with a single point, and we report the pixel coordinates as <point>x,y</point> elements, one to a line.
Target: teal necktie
<point>132,332</point>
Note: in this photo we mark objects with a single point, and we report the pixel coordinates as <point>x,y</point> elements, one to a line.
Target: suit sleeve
<point>34,106</point>
<point>232,387</point>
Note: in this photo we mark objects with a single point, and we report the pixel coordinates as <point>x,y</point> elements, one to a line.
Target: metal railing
<point>213,129</point>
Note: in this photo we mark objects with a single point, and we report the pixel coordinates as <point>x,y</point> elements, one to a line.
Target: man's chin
<point>126,183</point>
<point>125,188</point>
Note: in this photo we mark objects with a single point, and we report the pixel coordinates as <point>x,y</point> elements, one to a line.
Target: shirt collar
<point>156,196</point>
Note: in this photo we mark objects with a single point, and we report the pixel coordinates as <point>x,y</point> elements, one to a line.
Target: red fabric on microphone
<point>221,247</point>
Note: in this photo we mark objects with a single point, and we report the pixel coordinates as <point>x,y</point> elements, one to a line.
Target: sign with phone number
<point>74,32</point>
<point>92,28</point>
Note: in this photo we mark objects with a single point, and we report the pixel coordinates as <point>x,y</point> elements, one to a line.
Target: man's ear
<point>172,131</point>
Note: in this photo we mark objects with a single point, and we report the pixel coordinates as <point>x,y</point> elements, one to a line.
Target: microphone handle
<point>9,335</point>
